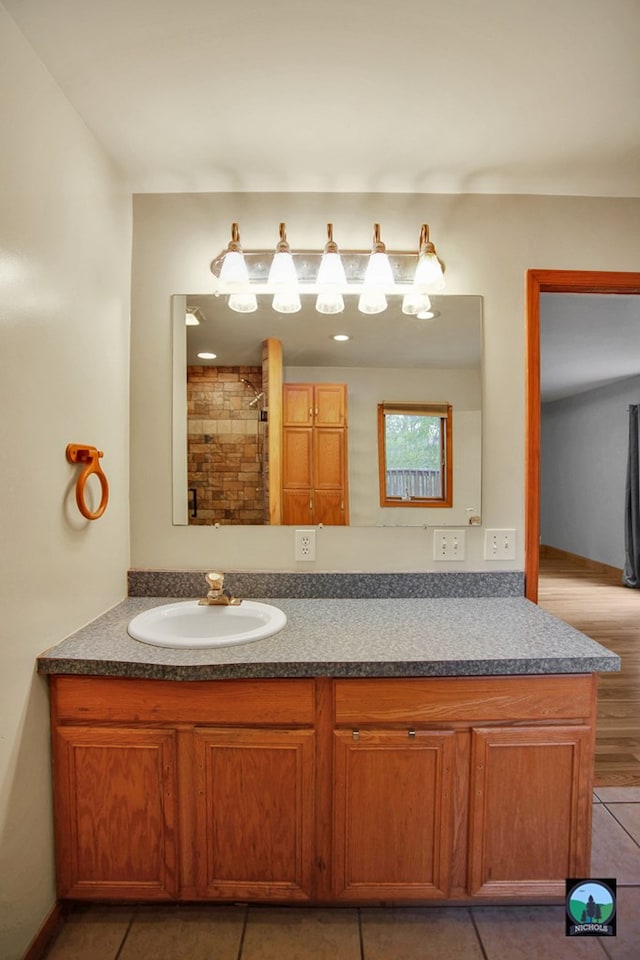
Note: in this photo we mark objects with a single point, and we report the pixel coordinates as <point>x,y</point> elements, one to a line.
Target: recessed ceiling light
<point>207,356</point>
<point>341,337</point>
<point>428,314</point>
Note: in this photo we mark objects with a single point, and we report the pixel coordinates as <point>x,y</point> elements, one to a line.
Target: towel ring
<point>90,456</point>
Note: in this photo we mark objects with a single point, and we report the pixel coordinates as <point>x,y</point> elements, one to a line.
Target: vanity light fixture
<point>331,277</point>
<point>235,276</point>
<point>330,274</point>
<point>378,277</point>
<point>429,277</point>
<point>283,278</point>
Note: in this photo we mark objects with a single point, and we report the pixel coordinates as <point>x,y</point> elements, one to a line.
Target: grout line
<point>630,835</point>
<point>484,953</point>
<point>118,952</point>
<point>359,914</point>
<point>244,930</point>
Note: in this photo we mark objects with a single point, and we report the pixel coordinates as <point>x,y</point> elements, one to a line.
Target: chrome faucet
<point>216,596</point>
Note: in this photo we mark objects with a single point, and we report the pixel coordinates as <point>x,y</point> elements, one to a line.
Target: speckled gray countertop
<point>349,638</point>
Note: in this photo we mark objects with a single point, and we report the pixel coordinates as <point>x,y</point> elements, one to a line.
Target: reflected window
<point>415,441</point>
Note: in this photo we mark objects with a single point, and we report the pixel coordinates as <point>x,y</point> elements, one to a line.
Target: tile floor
<point>203,932</point>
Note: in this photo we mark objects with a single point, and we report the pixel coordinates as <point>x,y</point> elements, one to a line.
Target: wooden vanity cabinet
<point>183,790</point>
<point>500,806</point>
<point>301,790</point>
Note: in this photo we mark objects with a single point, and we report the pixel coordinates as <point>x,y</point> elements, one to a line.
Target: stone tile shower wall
<point>224,445</point>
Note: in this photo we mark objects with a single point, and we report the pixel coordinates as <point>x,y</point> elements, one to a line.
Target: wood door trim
<point>537,282</point>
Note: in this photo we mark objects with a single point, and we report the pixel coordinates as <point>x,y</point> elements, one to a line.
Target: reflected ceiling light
<point>243,302</point>
<point>192,317</point>
<point>283,278</point>
<point>414,303</point>
<point>331,277</point>
<point>341,337</point>
<point>329,274</point>
<point>205,355</point>
<point>429,277</point>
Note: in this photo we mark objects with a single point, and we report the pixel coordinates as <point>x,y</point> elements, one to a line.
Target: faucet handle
<point>215,581</point>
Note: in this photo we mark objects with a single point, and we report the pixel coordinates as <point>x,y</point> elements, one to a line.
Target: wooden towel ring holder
<point>90,456</point>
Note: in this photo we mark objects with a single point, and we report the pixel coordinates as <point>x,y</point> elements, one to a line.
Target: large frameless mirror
<point>231,430</point>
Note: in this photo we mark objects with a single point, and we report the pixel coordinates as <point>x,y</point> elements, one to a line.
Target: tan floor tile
<point>91,931</point>
<point>618,794</point>
<point>529,933</point>
<point>628,814</point>
<point>298,933</point>
<point>185,933</point>
<point>626,943</point>
<point>414,933</point>
<point>613,852</point>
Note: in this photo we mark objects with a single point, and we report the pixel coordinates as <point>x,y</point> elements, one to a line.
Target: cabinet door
<point>254,813</point>
<point>530,809</point>
<point>330,406</point>
<point>297,475</point>
<point>115,812</point>
<point>329,469</point>
<point>297,404</point>
<point>392,806</point>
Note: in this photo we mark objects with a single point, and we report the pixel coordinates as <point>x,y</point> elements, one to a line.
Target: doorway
<point>550,281</point>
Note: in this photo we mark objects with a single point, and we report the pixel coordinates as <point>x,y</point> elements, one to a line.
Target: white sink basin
<point>189,625</point>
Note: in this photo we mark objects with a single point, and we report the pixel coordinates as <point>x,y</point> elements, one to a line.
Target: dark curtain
<point>631,572</point>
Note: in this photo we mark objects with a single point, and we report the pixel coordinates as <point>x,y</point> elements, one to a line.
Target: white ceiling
<point>501,96</point>
<point>587,341</point>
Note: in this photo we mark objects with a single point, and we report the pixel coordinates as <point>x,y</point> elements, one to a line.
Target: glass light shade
<point>287,301</point>
<point>243,302</point>
<point>329,302</point>
<point>429,277</point>
<point>282,272</point>
<point>331,274</point>
<point>233,272</point>
<point>191,320</point>
<point>372,301</point>
<point>413,303</point>
<point>379,273</point>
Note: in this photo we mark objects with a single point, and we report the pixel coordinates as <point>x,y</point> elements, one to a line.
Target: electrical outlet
<point>448,544</point>
<point>305,545</point>
<point>499,544</point>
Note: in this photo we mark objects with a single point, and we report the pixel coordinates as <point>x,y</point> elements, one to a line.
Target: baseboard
<point>42,940</point>
<point>553,553</point>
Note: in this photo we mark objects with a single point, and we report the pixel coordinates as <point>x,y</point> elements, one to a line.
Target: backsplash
<point>191,583</point>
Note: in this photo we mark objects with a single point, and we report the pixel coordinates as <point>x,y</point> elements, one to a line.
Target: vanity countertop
<point>485,636</point>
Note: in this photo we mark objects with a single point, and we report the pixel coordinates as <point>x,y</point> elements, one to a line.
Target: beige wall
<point>64,290</point>
<point>487,242</point>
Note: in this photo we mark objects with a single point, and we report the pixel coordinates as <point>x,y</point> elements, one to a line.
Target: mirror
<point>222,420</point>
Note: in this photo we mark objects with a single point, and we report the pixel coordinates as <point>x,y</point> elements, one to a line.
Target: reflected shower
<point>258,394</point>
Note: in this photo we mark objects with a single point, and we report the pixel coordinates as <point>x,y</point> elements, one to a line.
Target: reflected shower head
<point>257,394</point>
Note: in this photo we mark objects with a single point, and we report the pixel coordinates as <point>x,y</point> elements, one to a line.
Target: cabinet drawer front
<point>163,701</point>
<point>464,699</point>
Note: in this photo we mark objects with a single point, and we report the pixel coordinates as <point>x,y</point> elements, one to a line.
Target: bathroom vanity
<point>374,751</point>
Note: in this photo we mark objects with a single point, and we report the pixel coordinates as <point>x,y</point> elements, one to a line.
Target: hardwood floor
<point>593,600</point>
